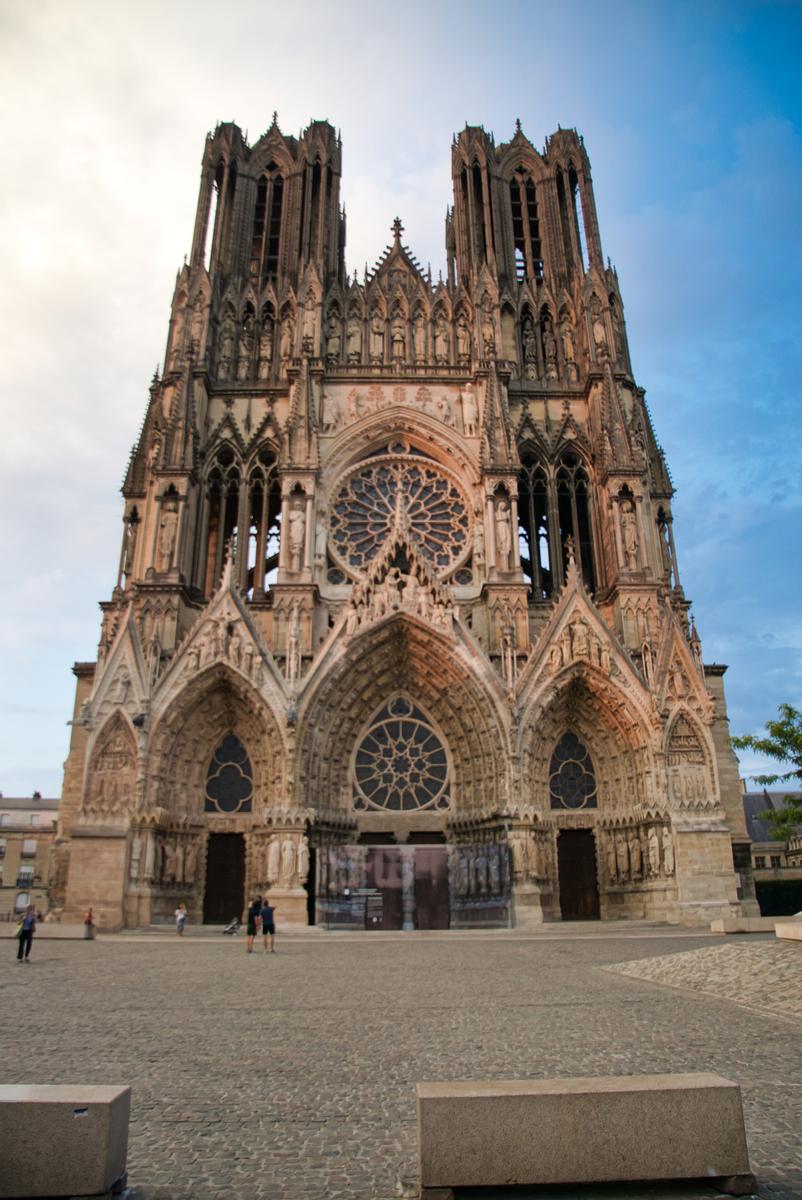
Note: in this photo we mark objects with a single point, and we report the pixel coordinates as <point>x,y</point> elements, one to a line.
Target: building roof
<point>757,803</point>
<point>29,803</point>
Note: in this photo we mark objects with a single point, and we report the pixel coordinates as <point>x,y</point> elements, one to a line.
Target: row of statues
<point>462,409</point>
<point>480,871</point>
<point>248,347</point>
<point>163,860</point>
<point>638,854</point>
<point>398,592</point>
<point>283,860</point>
<point>578,643</point>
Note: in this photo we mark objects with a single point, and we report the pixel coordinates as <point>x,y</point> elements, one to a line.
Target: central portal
<point>579,889</point>
<point>224,897</point>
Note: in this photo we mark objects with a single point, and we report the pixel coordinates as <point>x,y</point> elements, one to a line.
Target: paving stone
<point>294,1078</point>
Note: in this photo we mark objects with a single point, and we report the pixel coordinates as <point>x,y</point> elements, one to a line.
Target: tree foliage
<point>782,741</point>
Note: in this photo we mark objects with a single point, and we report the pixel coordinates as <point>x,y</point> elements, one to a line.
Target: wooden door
<point>579,889</point>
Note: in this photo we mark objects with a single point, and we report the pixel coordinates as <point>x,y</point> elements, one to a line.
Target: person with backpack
<point>27,928</point>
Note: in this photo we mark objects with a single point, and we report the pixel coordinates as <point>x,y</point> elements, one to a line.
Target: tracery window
<point>229,779</point>
<point>255,548</point>
<point>401,765</point>
<point>525,227</point>
<point>573,487</point>
<point>572,779</point>
<point>267,222</point>
<point>533,516</point>
<point>372,497</point>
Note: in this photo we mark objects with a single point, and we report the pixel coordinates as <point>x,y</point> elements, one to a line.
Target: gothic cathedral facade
<point>398,636</point>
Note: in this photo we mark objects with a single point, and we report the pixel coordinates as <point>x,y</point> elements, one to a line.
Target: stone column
<point>408,886</point>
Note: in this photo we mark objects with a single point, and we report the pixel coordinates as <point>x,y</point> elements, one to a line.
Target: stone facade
<point>398,635</point>
<point>27,833</point>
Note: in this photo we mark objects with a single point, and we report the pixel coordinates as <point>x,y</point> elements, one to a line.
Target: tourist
<point>268,926</point>
<point>89,926</point>
<point>27,928</point>
<point>180,918</point>
<point>254,916</point>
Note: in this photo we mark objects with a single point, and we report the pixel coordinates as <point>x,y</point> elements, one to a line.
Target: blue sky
<point>691,115</point>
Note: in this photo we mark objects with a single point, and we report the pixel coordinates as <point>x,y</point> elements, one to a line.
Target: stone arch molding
<point>403,655</point>
<point>185,737</point>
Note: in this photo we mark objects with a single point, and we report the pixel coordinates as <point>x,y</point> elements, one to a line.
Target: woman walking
<point>26,931</point>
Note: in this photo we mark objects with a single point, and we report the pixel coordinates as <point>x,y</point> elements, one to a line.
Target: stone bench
<point>747,924</point>
<point>63,1140</point>
<point>597,1130</point>
<point>790,930</point>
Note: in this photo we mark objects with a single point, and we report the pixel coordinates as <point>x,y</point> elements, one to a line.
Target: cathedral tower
<point>398,635</point>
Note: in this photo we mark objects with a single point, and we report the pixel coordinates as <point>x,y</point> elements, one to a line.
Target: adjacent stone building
<point>27,831</point>
<point>397,634</point>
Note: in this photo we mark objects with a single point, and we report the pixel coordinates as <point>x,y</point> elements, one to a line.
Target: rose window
<point>572,780</point>
<point>401,764</point>
<point>369,499</point>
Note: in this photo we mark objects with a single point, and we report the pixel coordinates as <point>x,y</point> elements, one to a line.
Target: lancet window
<point>243,521</point>
<point>525,227</point>
<point>572,779</point>
<point>553,506</point>
<point>267,223</point>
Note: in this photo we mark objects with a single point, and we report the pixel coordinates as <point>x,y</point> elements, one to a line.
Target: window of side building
<point>29,847</point>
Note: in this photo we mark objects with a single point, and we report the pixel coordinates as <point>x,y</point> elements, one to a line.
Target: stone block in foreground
<point>790,930</point>
<point>62,1140</point>
<point>590,1130</point>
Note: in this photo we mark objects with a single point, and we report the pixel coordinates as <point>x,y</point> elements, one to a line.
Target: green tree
<point>783,742</point>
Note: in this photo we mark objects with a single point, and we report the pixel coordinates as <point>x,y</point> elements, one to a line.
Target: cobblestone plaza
<point>291,1076</point>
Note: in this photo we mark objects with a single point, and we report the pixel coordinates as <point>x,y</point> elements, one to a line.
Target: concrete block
<point>747,924</point>
<point>593,1130</point>
<point>62,1140</point>
<point>790,930</point>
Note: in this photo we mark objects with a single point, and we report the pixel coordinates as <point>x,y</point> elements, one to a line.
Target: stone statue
<point>245,353</point>
<point>330,417</point>
<point>333,339</point>
<point>494,870</point>
<point>168,862</point>
<point>419,337</point>
<point>599,332</point>
<point>629,534</point>
<point>168,528</point>
<point>376,337</point>
<point>635,855</point>
<point>287,340</point>
<point>303,859</point>
<point>532,857</point>
<point>235,647</point>
<point>190,862</point>
<point>399,340</point>
<point>529,344</point>
<point>226,347</point>
<point>549,349</point>
<point>287,860</point>
<point>265,347</point>
<point>463,340</point>
<point>488,329</point>
<point>579,639</point>
<point>296,532</point>
<point>321,536</point>
<point>622,855</point>
<point>292,666</point>
<point>440,339</point>
<point>177,340</point>
<point>567,339</point>
<point>470,412</point>
<point>668,852</point>
<point>196,326</point>
<point>503,535</point>
<point>308,329</point>
<point>354,343</point>
<point>653,841</point>
<point>612,870</point>
<point>273,860</point>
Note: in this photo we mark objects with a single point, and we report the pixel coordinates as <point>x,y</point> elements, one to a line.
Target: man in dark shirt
<point>254,915</point>
<point>268,927</point>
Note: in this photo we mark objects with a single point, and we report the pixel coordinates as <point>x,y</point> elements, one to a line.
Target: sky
<point>692,117</point>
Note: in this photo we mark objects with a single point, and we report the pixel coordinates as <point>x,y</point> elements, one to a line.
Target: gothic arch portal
<point>403,656</point>
<point>216,704</point>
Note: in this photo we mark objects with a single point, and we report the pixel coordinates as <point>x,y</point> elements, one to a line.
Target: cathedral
<point>397,636</point>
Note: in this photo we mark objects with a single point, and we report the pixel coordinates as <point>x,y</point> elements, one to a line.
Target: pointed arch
<point>111,777</point>
<point>214,704</point>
